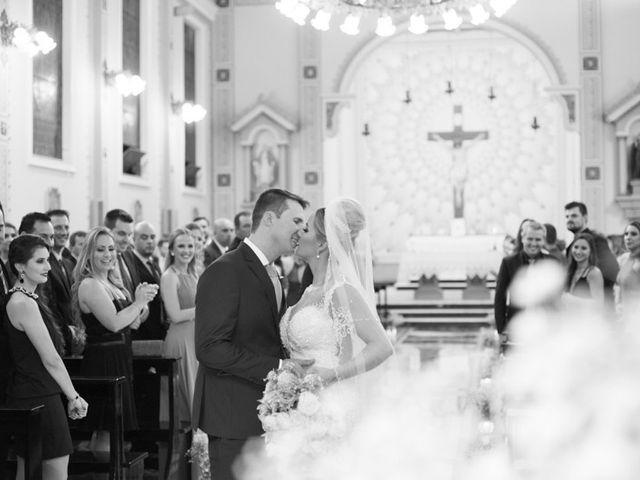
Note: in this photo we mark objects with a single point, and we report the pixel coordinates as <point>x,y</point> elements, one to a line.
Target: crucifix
<point>459,151</point>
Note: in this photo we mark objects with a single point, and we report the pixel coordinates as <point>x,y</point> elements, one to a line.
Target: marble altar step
<point>441,313</point>
<point>445,284</point>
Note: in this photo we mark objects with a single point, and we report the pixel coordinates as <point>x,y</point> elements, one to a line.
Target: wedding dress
<point>336,324</point>
<point>329,324</point>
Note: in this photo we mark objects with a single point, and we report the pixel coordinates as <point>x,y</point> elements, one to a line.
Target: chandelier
<point>452,13</point>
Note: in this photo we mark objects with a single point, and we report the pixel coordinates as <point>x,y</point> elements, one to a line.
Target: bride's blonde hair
<point>354,217</point>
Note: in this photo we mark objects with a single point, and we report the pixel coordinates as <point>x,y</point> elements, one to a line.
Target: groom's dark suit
<point>237,343</point>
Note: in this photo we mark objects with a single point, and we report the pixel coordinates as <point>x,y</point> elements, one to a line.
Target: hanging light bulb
<point>500,7</point>
<point>417,25</point>
<point>191,113</point>
<point>451,19</point>
<point>351,24</point>
<point>287,7</point>
<point>300,13</point>
<point>321,20</point>
<point>385,27</point>
<point>478,14</point>
<point>137,85</point>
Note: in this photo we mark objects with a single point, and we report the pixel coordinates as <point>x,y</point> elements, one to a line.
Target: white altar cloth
<point>450,257</point>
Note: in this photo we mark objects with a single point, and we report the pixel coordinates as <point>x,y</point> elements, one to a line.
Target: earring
<point>21,277</point>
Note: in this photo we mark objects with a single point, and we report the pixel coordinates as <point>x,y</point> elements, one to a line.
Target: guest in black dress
<point>584,278</point>
<point>102,303</point>
<point>39,376</point>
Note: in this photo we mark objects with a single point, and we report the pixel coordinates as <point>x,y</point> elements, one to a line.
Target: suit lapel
<point>61,277</point>
<point>259,271</point>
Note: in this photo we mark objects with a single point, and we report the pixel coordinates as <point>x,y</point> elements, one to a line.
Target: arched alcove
<point>398,87</point>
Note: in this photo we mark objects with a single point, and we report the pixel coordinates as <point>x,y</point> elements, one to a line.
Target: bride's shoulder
<point>344,291</point>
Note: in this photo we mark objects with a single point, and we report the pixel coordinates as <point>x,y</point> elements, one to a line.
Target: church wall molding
<point>625,119</point>
<point>262,109</point>
<point>203,8</point>
<point>541,51</point>
<point>263,139</point>
<point>569,99</point>
<point>332,105</point>
<point>226,186</point>
<point>307,168</point>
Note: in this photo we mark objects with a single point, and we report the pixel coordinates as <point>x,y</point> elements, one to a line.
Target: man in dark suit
<point>120,223</point>
<point>532,241</point>
<point>239,303</point>
<point>242,224</point>
<point>61,273</point>
<point>5,359</point>
<point>5,285</point>
<point>145,269</point>
<point>220,240</point>
<point>576,216</point>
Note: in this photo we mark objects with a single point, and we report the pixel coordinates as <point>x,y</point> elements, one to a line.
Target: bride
<point>336,324</point>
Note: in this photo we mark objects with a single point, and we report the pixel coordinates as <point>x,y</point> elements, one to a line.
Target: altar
<point>450,257</point>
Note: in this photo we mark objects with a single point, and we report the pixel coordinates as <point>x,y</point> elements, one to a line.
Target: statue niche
<point>265,164</point>
<point>263,137</point>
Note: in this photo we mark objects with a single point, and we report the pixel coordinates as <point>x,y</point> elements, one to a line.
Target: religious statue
<point>634,159</point>
<point>459,153</point>
<point>264,168</point>
<point>459,169</point>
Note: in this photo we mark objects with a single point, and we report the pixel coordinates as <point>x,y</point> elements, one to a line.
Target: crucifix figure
<point>459,151</point>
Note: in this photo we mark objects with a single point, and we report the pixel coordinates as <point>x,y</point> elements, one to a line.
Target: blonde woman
<point>178,290</point>
<point>103,305</point>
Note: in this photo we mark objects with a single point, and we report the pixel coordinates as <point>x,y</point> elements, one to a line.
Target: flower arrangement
<point>199,454</point>
<point>289,400</point>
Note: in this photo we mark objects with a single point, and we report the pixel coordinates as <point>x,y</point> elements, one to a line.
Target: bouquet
<point>199,454</point>
<point>289,400</point>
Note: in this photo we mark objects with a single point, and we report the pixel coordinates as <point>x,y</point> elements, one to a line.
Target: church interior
<point>450,128</point>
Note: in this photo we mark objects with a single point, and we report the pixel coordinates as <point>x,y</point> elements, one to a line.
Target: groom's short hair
<point>273,200</point>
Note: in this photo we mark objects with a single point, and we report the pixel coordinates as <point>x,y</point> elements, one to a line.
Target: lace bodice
<point>312,329</point>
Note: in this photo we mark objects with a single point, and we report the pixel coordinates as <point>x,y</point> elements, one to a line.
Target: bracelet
<point>74,399</point>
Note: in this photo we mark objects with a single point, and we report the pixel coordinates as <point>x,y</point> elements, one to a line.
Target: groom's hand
<point>297,365</point>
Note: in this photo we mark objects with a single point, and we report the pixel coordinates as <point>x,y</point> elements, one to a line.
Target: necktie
<point>275,279</point>
<point>124,273</point>
<point>3,282</point>
<point>153,269</point>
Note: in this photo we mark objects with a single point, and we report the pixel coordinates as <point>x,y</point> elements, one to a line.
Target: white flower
<point>269,423</point>
<point>308,403</point>
<point>282,421</point>
<point>286,379</point>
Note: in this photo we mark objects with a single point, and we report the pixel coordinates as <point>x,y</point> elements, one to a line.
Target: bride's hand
<point>297,365</point>
<point>327,375</point>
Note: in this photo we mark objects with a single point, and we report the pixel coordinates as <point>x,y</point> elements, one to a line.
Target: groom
<point>239,303</point>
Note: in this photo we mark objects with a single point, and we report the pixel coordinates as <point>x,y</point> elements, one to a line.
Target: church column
<point>308,166</point>
<point>222,113</point>
<point>622,169</point>
<point>592,126</point>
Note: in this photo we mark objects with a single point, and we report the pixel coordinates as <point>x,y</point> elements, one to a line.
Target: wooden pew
<point>154,372</point>
<point>149,370</point>
<point>117,463</point>
<point>27,422</point>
